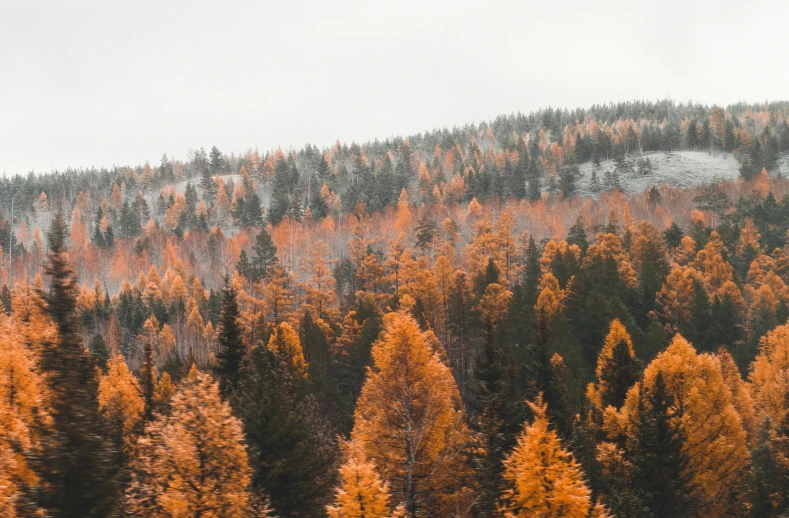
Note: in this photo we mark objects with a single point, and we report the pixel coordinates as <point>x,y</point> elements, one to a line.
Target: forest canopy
<point>432,325</point>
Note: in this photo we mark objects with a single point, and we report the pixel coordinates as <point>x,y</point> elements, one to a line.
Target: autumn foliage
<point>425,326</point>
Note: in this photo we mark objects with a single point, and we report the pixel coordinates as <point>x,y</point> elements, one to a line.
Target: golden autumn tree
<point>609,246</point>
<point>617,369</point>
<point>163,393</point>
<point>320,288</point>
<point>23,410</point>
<point>675,296</point>
<point>149,338</point>
<point>543,479</point>
<point>493,307</point>
<point>714,440</point>
<point>748,244</point>
<point>685,252</point>
<point>192,462</point>
<point>223,204</point>
<point>715,270</point>
<point>497,243</point>
<point>403,220</point>
<point>285,342</point>
<point>9,491</point>
<point>121,405</point>
<point>361,492</point>
<point>740,392</point>
<point>409,421</point>
<point>769,376</point>
<point>277,294</point>
<point>547,307</point>
<point>79,233</point>
<point>768,382</point>
<point>166,341</point>
<point>474,210</point>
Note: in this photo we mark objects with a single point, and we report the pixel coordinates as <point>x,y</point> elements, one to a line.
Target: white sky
<point>97,82</point>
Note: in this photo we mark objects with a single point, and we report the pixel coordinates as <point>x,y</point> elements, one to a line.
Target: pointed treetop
<point>543,478</point>
<point>617,333</point>
<point>193,373</point>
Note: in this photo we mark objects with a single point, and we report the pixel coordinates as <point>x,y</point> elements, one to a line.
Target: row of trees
<point>516,156</point>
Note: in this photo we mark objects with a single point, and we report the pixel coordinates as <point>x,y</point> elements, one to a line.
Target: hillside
<point>520,156</point>
<point>266,333</point>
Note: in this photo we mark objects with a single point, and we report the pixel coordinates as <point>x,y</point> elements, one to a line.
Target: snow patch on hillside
<point>783,165</point>
<point>677,169</point>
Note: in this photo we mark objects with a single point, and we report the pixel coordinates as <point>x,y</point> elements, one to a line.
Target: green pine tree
<point>265,257</point>
<point>533,177</point>
<point>98,236</point>
<point>77,476</point>
<point>230,346</point>
<point>243,266</point>
<point>769,480</point>
<point>109,238</point>
<point>426,231</point>
<point>99,351</point>
<point>208,172</point>
<point>253,212</point>
<point>660,464</point>
<point>281,192</point>
<point>619,375</point>
<point>577,235</point>
<point>291,449</point>
<point>148,378</point>
<point>697,329</point>
<point>497,425</point>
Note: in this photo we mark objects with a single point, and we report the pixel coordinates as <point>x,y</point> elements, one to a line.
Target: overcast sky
<point>95,83</point>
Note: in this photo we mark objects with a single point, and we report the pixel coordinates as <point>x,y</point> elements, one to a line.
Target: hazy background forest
<point>557,312</point>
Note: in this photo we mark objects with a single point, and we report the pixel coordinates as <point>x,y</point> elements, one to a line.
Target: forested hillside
<point>481,321</point>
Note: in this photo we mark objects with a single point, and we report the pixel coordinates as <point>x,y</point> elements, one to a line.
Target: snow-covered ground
<point>783,165</point>
<point>678,169</point>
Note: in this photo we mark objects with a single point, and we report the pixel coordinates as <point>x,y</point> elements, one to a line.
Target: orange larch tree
<point>409,421</point>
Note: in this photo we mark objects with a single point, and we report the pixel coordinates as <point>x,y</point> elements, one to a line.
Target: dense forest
<point>433,325</point>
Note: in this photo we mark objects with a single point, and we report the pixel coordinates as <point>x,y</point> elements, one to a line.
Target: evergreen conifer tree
<point>533,177</point>
<point>109,238</point>
<point>76,462</point>
<point>147,372</point>
<point>577,235</point>
<point>98,236</point>
<point>207,176</point>
<point>99,351</point>
<point>619,374</point>
<point>253,212</point>
<point>231,347</point>
<point>244,267</point>
<point>265,256</point>
<point>281,193</point>
<point>660,464</point>
<point>291,450</point>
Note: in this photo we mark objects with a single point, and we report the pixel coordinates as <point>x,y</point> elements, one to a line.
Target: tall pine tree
<point>76,465</point>
<point>660,464</point>
<point>291,449</point>
<point>265,255</point>
<point>231,347</point>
